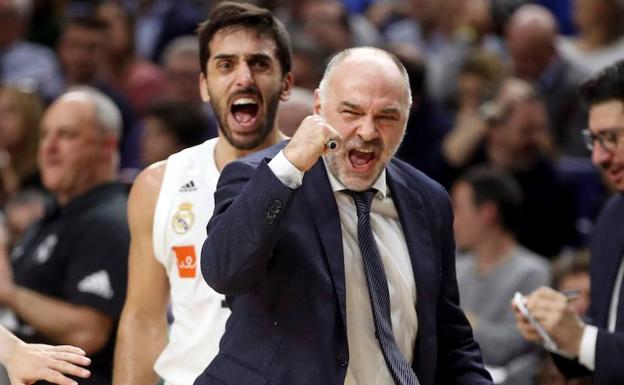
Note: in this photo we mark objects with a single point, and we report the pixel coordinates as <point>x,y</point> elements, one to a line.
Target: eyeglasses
<point>608,139</point>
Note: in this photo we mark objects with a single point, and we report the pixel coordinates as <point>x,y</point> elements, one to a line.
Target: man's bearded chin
<point>259,135</point>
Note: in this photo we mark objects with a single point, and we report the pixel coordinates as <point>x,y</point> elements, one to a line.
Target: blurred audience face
<point>471,220</point>
<point>21,212</point>
<point>326,23</point>
<point>609,117</point>
<point>591,13</point>
<point>20,114</point>
<point>366,99</point>
<point>71,147</point>
<point>10,22</point>
<point>294,110</point>
<point>157,142</point>
<point>119,38</point>
<point>182,70</point>
<point>522,133</point>
<point>11,122</point>
<point>244,84</point>
<point>580,281</point>
<point>531,38</point>
<point>81,52</point>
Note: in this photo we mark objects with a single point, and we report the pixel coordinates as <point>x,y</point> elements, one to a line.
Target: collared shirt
<point>366,361</point>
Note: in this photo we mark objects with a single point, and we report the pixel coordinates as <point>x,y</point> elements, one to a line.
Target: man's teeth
<point>242,101</point>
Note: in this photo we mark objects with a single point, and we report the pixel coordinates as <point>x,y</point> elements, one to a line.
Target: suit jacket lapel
<point>415,227</point>
<point>322,203</point>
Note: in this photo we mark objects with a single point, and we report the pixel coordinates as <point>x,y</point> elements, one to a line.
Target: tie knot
<point>362,200</point>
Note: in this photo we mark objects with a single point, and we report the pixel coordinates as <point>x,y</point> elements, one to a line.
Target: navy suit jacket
<point>607,248</point>
<point>277,254</point>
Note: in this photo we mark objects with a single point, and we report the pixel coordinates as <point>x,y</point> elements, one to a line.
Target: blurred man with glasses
<point>594,349</point>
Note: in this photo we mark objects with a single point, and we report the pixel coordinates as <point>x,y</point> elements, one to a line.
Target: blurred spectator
<point>140,81</point>
<point>82,49</point>
<point>20,113</point>
<point>68,278</point>
<point>516,138</point>
<point>160,21</point>
<point>308,63</point>
<point>446,32</point>
<point>291,112</point>
<point>479,79</point>
<point>531,39</point>
<point>169,127</point>
<point>23,62</point>
<point>46,21</point>
<point>328,24</point>
<point>181,64</point>
<point>600,40</point>
<point>21,211</point>
<point>487,205</point>
<point>428,121</point>
<point>571,272</point>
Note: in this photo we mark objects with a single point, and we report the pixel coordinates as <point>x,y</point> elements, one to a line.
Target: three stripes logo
<point>188,187</point>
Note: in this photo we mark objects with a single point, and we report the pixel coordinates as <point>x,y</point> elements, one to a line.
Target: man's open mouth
<point>245,110</point>
<point>361,159</point>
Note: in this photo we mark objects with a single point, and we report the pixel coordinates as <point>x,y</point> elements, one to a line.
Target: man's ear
<point>287,85</point>
<point>317,102</point>
<point>203,87</point>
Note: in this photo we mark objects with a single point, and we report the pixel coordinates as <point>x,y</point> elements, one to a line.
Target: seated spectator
<point>169,127</point>
<point>600,39</point>
<point>516,138</point>
<point>68,277</point>
<point>140,81</point>
<point>492,266</point>
<point>531,39</point>
<point>22,61</point>
<point>20,113</point>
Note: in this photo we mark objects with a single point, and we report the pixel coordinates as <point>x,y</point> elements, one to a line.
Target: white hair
<point>183,45</point>
<point>107,115</point>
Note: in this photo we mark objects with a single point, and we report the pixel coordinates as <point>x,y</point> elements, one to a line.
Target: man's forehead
<point>606,115</point>
<point>242,42</point>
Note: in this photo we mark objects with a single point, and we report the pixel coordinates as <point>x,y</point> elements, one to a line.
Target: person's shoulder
<point>530,261</point>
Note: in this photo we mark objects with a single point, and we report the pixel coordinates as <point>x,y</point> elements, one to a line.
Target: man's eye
<point>261,65</point>
<point>224,65</point>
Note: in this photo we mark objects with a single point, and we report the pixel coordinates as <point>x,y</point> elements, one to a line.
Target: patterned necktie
<point>400,370</point>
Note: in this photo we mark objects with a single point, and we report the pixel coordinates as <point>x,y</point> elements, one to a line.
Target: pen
<point>571,294</point>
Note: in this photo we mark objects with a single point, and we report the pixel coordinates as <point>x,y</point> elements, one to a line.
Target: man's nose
<point>368,130</point>
<point>244,76</point>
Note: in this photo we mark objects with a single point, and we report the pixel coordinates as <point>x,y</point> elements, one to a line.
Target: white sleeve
<point>587,350</point>
<point>285,171</point>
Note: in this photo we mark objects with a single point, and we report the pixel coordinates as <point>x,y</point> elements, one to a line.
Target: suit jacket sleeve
<point>243,230</point>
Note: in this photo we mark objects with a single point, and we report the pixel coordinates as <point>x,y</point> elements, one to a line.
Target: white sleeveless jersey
<point>185,205</point>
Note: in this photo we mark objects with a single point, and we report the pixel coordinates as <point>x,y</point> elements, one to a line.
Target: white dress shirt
<point>367,365</point>
<point>587,350</point>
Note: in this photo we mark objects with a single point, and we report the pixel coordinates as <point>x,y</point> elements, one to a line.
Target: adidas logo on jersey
<point>97,283</point>
<point>187,187</point>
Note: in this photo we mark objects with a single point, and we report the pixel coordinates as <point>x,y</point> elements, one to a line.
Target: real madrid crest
<point>183,219</point>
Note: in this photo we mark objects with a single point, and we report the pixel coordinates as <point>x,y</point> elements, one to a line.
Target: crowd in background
<point>494,83</point>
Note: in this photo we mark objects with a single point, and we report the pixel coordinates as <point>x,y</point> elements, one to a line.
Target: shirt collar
<point>379,185</point>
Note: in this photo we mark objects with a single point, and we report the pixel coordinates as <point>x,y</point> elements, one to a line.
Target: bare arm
<point>142,333</point>
<point>27,363</point>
